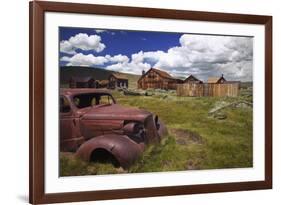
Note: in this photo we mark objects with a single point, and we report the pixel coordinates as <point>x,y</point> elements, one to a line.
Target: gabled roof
<point>119,76</point>
<point>82,79</point>
<point>192,77</point>
<point>162,73</point>
<point>215,79</point>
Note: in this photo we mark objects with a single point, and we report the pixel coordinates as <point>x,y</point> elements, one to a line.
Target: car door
<point>68,131</point>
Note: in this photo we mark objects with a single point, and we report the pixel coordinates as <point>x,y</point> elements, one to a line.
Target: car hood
<point>113,112</point>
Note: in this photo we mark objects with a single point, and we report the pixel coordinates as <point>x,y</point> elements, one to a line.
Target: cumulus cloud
<point>66,47</point>
<point>81,59</point>
<point>129,67</point>
<point>117,58</point>
<point>82,41</point>
<point>134,66</point>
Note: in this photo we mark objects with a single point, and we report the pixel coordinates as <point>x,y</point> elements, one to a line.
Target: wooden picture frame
<point>37,95</point>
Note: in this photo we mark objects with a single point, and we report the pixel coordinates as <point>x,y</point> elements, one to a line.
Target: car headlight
<point>156,121</point>
<point>133,128</point>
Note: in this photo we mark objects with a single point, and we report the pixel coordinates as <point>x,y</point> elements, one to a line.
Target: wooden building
<point>230,89</point>
<point>116,80</point>
<point>82,82</point>
<point>192,79</point>
<point>190,89</point>
<point>215,87</point>
<point>157,79</point>
<point>216,80</point>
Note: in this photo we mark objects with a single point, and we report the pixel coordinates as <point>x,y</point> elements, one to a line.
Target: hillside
<point>66,72</point>
<point>246,85</point>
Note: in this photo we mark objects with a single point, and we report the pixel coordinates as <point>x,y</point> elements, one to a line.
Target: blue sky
<point>176,53</point>
<point>121,41</point>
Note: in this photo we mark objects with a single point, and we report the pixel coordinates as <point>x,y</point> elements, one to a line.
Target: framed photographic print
<point>139,102</point>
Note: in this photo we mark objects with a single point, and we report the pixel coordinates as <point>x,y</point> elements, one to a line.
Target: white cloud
<point>131,67</point>
<point>82,41</point>
<point>66,47</point>
<point>118,58</point>
<point>81,59</point>
<point>135,66</point>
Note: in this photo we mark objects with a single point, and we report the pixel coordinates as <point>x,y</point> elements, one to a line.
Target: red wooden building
<point>157,79</point>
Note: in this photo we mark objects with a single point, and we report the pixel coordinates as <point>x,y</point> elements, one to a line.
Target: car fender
<point>125,150</point>
<point>162,131</point>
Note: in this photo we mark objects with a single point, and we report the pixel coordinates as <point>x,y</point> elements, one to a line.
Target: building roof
<point>82,79</point>
<point>215,79</point>
<point>161,73</point>
<point>192,76</point>
<point>119,76</point>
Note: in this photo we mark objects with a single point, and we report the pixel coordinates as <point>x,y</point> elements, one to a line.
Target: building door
<point>67,125</point>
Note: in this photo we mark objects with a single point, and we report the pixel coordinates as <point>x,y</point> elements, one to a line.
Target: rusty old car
<point>95,127</point>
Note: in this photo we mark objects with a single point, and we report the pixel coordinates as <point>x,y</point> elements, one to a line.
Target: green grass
<point>196,140</point>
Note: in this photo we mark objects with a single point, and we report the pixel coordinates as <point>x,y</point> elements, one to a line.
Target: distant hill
<point>66,72</point>
<point>246,84</point>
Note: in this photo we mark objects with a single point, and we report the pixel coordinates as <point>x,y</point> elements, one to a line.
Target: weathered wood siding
<point>228,89</point>
<point>208,89</point>
<point>190,89</point>
<point>117,83</point>
<point>155,81</point>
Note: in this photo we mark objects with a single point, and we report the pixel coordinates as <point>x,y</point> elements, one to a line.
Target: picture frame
<point>37,89</point>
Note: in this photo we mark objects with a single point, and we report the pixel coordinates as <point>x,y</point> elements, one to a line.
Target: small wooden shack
<point>192,79</point>
<point>82,82</point>
<point>191,86</point>
<point>216,80</point>
<point>215,87</point>
<point>230,89</point>
<point>157,79</point>
<point>116,80</point>
<point>190,89</point>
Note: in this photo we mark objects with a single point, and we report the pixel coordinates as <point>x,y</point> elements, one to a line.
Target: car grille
<point>151,134</point>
